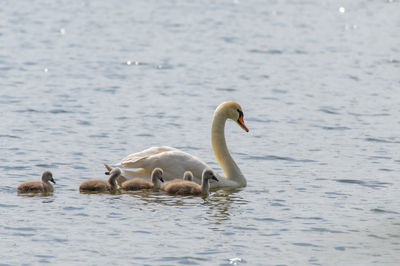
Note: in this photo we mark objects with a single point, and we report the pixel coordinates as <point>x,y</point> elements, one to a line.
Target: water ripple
<point>377,210</point>
<point>381,140</point>
<point>370,184</point>
<point>9,136</point>
<point>270,51</point>
<point>278,158</point>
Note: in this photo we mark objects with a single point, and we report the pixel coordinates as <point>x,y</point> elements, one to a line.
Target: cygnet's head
<point>157,175</point>
<point>209,174</point>
<point>188,176</point>
<point>47,176</point>
<point>115,172</point>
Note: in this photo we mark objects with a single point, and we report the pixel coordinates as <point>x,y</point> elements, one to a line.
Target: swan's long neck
<point>221,152</point>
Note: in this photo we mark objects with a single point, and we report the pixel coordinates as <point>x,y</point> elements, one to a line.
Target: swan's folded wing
<point>173,162</point>
<point>133,159</point>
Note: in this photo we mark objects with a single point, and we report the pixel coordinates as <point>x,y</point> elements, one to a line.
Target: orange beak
<point>241,123</point>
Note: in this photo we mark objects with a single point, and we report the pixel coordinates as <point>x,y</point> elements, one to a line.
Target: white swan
<point>175,162</point>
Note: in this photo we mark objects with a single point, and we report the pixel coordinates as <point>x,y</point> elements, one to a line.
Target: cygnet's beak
<point>161,179</point>
<point>215,178</point>
<point>52,180</point>
<point>107,173</point>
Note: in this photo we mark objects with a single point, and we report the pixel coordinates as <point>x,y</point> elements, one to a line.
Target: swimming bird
<point>140,183</point>
<point>191,188</point>
<point>98,185</point>
<point>187,176</point>
<point>38,186</point>
<point>175,162</point>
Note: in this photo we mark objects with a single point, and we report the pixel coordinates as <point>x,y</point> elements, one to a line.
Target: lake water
<point>87,82</point>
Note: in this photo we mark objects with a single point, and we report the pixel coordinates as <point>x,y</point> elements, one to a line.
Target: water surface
<point>88,82</point>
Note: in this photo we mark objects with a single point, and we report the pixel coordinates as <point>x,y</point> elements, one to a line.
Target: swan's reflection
<point>218,205</point>
<point>221,204</point>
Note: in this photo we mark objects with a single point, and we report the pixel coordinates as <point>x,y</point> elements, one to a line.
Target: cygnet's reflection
<point>218,205</point>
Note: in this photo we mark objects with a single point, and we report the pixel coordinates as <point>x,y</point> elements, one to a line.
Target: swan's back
<point>187,176</point>
<point>183,188</point>
<point>34,187</point>
<point>191,188</point>
<point>95,185</point>
<point>140,183</point>
<point>137,184</point>
<point>173,162</point>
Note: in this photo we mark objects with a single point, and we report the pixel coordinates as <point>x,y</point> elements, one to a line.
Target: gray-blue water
<point>87,82</point>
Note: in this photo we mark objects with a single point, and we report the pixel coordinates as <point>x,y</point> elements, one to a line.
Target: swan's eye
<point>240,113</point>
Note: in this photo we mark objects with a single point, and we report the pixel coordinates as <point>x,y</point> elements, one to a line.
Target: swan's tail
<point>109,168</point>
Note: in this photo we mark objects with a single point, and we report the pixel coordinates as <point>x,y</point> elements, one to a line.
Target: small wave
<point>184,260</point>
<point>226,89</point>
<point>386,170</point>
<point>102,135</point>
<point>353,78</point>
<point>375,236</point>
<point>59,111</point>
<point>394,61</point>
<point>335,128</point>
<point>45,256</point>
<point>84,123</point>
<point>329,110</point>
<point>71,208</point>
<point>351,181</point>
<point>267,219</point>
<point>47,166</point>
<point>78,167</point>
<point>270,51</point>
<point>144,135</point>
<point>107,90</point>
<point>300,52</point>
<point>340,248</point>
<point>301,244</point>
<point>370,184</point>
<point>244,228</point>
<point>379,140</point>
<point>142,232</point>
<point>24,229</point>
<point>279,158</point>
<point>323,230</point>
<point>28,110</point>
<point>8,205</point>
<point>307,218</point>
<point>9,136</point>
<point>368,115</point>
<point>380,157</point>
<point>377,210</point>
<point>5,167</point>
<point>336,194</point>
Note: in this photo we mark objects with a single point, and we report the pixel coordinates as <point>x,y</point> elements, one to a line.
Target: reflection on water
<point>220,205</point>
<point>216,207</point>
